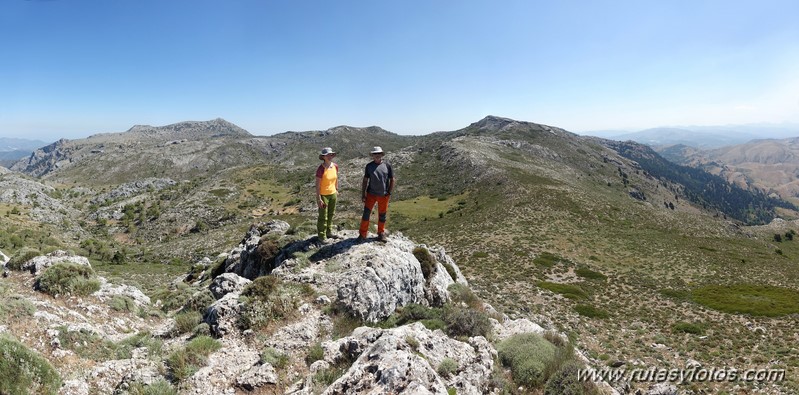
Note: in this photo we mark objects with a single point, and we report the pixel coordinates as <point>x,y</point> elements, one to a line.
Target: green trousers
<point>324,225</point>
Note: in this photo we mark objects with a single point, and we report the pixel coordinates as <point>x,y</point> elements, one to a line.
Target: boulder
<point>108,291</point>
<point>38,264</point>
<point>246,259</point>
<point>405,360</point>
<point>223,315</point>
<point>227,283</point>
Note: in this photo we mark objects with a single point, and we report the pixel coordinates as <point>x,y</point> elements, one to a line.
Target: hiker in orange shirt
<point>326,193</point>
<point>378,182</point>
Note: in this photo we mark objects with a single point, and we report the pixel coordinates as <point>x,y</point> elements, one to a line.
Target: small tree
<point>778,238</point>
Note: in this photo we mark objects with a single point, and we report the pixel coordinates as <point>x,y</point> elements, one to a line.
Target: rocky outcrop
<point>246,259</point>
<point>38,264</point>
<point>108,291</point>
<point>406,360</point>
<point>227,283</point>
<point>133,188</point>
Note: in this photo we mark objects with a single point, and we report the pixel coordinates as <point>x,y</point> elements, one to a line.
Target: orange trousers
<point>382,209</point>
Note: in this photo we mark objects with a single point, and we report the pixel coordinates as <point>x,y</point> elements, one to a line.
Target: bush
<point>68,278</point>
<point>186,322</point>
<point>567,290</point>
<point>590,274</point>
<point>23,371</point>
<point>590,311</point>
<point>758,300</point>
<point>186,361</point>
<point>416,312</point>
<point>466,322</point>
<point>565,382</point>
<point>687,327</point>
<point>199,301</point>
<point>267,251</point>
<point>459,293</point>
<point>528,356</point>
<point>426,260</point>
<point>267,300</point>
<point>275,358</point>
<point>123,303</point>
<point>451,271</point>
<point>447,367</point>
<point>23,255</point>
<point>315,353</point>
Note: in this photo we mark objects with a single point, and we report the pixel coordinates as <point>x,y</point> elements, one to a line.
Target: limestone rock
<point>404,360</point>
<point>227,283</point>
<point>245,259</point>
<point>108,291</point>
<point>38,264</point>
<point>257,376</point>
<point>222,316</point>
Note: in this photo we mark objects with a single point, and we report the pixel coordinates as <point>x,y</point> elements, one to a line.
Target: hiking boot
<point>360,239</point>
<point>333,236</point>
<point>381,237</point>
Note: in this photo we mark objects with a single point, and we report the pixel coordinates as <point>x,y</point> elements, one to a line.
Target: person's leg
<point>367,211</point>
<point>331,210</point>
<point>320,221</point>
<point>382,212</point>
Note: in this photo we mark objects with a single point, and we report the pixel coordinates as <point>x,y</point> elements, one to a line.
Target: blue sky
<point>71,68</point>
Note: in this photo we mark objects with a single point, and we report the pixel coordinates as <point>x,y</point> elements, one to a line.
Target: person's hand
<point>320,203</point>
<point>363,198</point>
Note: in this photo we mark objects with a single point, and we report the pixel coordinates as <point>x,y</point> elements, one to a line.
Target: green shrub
<point>218,267</point>
<point>447,367</point>
<point>451,271</point>
<point>68,278</point>
<point>528,356</point>
<point>173,297</point>
<point>466,322</point>
<point>315,353</point>
<point>199,301</point>
<point>23,255</point>
<point>87,344</point>
<point>546,259</point>
<point>186,361</point>
<point>267,251</point>
<point>758,300</point>
<point>459,293</point>
<point>688,327</point>
<point>567,290</point>
<point>186,322</point>
<point>23,371</point>
<point>415,312</point>
<point>565,382</point>
<point>590,311</point>
<point>275,358</point>
<point>267,300</point>
<point>590,274</point>
<point>427,261</point>
<point>159,387</point>
<point>123,303</point>
<point>676,294</point>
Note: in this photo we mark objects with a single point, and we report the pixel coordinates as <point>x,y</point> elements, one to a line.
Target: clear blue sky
<point>71,68</point>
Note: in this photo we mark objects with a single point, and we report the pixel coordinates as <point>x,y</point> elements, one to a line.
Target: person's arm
<point>390,186</point>
<point>364,184</point>
<point>319,201</point>
<point>336,177</point>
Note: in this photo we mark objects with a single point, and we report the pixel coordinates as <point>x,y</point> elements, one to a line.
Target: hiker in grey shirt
<point>378,182</point>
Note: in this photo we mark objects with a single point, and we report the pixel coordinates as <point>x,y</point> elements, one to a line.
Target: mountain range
<point>605,241</point>
<point>702,137</point>
<point>13,149</point>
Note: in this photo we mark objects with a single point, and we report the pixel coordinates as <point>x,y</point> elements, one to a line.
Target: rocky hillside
<point>275,314</point>
<point>548,226</point>
<point>769,165</point>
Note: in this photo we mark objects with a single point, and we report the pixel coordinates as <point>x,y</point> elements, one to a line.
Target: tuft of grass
<point>15,307</point>
<point>451,271</point>
<point>459,293</point>
<point>184,362</point>
<point>185,322</point>
<point>466,322</point>
<point>315,353</point>
<point>159,387</point>
<point>567,290</point>
<point>275,358</point>
<point>123,303</point>
<point>23,371</point>
<point>757,300</point>
<point>565,382</point>
<point>447,367</point>
<point>590,311</point>
<point>68,278</point>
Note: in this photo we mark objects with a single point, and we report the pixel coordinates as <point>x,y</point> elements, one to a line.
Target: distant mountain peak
<point>191,129</point>
<point>493,122</point>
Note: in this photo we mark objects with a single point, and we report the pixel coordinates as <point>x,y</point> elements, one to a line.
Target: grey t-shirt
<point>379,176</point>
